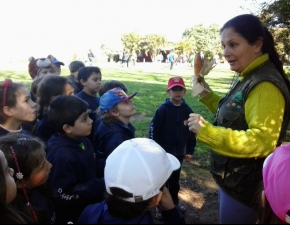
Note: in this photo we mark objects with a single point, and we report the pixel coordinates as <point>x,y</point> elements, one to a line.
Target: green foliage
<point>131,42</point>
<point>151,43</point>
<point>184,46</point>
<point>204,39</point>
<point>275,15</point>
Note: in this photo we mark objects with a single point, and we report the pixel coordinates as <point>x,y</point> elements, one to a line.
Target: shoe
<point>158,214</point>
<point>181,209</point>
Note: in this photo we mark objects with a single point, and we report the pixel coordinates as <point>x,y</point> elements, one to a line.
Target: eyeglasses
<point>7,84</point>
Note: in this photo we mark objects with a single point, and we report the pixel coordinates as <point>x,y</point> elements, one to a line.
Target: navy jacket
<point>44,130</point>
<point>94,103</point>
<point>41,203</point>
<point>107,138</point>
<point>169,128</point>
<point>72,179</point>
<point>99,214</point>
<point>76,85</point>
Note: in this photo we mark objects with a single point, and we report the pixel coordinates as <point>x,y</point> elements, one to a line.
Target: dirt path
<point>199,195</point>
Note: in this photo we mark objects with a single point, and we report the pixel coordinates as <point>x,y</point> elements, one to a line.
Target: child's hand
<point>166,202</point>
<point>188,158</point>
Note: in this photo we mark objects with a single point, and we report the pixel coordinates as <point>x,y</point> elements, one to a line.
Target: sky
<point>63,27</point>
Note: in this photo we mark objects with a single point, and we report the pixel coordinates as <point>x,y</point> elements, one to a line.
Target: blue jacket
<point>169,128</point>
<point>44,130</point>
<point>99,214</point>
<point>76,85</point>
<point>72,179</point>
<point>94,103</point>
<point>107,138</point>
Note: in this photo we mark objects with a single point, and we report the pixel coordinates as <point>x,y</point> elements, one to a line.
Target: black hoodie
<point>72,179</point>
<point>169,128</point>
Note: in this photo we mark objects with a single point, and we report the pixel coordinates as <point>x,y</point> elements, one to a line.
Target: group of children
<point>69,156</point>
<point>59,138</point>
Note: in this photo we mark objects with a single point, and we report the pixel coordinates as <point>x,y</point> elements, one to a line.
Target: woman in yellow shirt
<point>250,121</point>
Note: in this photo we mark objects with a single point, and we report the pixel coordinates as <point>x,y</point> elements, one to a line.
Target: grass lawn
<point>151,88</point>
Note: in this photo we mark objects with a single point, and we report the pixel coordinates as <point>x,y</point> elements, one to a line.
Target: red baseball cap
<point>175,81</point>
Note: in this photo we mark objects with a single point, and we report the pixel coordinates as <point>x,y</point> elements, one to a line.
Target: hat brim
<point>174,85</point>
<point>129,97</point>
<point>174,161</point>
<point>58,62</point>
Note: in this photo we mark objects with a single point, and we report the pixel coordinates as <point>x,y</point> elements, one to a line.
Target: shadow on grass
<point>151,88</point>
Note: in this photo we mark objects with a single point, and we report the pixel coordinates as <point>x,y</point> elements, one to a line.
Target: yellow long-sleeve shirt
<point>264,110</point>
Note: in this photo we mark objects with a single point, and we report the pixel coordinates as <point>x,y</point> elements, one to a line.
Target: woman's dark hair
<point>265,212</point>
<point>110,85</point>
<point>85,72</point>
<point>123,209</point>
<point>49,87</point>
<point>75,66</point>
<point>65,109</point>
<point>251,28</point>
<point>10,97</point>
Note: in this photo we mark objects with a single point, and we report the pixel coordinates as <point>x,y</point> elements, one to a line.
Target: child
<point>8,215</point>
<point>110,85</point>
<point>34,87</point>
<point>115,127</point>
<point>57,64</point>
<point>135,175</point>
<point>275,198</point>
<point>31,126</point>
<point>169,129</point>
<point>74,68</point>
<point>40,67</point>
<point>103,89</point>
<point>26,155</point>
<point>90,77</point>
<point>17,107</point>
<point>73,179</point>
<point>49,87</point>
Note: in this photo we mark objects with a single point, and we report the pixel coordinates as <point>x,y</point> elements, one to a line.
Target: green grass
<point>151,93</point>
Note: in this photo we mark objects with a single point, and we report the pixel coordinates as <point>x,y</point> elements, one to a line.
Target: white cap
<point>139,166</point>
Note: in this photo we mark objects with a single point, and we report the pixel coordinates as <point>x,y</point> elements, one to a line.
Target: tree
<point>131,42</point>
<point>184,46</point>
<point>151,43</point>
<point>276,17</point>
<point>204,39</point>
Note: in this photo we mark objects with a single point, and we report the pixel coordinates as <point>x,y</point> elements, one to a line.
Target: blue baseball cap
<point>113,97</point>
<point>57,62</point>
<point>54,60</point>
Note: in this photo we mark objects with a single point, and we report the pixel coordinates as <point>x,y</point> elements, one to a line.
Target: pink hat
<point>276,180</point>
<point>175,81</point>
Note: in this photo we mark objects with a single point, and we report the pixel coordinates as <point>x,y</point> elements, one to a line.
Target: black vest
<point>240,177</point>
